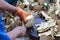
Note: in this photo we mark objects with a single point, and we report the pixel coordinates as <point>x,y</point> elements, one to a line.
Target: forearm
<point>4,6</point>
<point>14,33</point>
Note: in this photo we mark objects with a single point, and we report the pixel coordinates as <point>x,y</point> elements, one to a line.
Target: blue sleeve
<point>3,35</point>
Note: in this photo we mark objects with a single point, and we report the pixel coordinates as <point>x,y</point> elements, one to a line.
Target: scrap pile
<point>49,11</point>
<point>51,25</point>
<point>47,28</point>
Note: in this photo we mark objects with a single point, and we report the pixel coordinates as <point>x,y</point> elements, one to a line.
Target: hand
<point>22,14</point>
<point>22,30</point>
<point>18,31</point>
